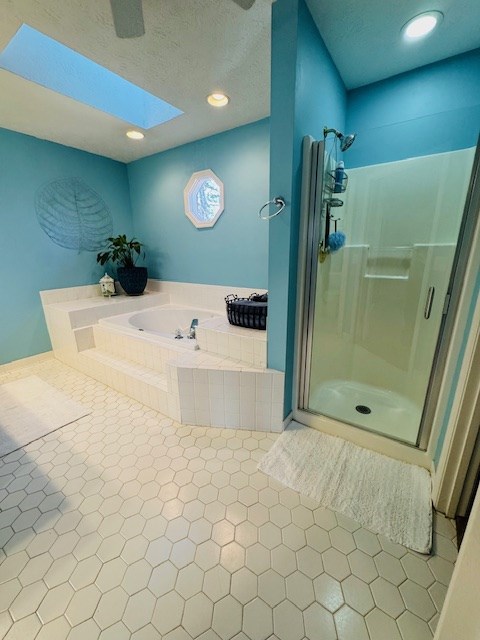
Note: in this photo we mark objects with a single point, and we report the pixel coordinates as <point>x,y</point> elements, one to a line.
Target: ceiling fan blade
<point>128,18</point>
<point>245,4</point>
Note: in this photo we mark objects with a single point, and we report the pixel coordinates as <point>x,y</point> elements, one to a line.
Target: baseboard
<point>25,362</point>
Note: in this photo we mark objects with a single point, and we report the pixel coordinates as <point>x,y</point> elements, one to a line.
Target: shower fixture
<point>345,141</point>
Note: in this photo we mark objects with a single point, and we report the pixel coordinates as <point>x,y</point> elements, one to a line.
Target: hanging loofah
<point>336,241</point>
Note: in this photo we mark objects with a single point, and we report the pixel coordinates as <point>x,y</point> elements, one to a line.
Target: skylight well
<point>40,59</point>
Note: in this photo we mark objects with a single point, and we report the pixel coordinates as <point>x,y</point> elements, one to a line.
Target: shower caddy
<point>335,182</point>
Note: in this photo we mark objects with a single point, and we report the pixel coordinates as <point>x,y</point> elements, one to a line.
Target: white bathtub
<point>160,323</point>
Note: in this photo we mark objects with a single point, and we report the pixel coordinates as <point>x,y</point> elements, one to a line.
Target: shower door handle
<point>429,303</point>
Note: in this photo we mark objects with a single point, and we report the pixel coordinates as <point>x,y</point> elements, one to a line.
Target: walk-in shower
<point>374,303</point>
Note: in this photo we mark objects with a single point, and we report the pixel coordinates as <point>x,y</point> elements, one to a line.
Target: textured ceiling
<point>193,47</point>
<point>190,48</point>
<point>364,39</point>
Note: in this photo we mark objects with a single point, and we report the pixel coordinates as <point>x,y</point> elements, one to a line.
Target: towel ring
<point>278,202</point>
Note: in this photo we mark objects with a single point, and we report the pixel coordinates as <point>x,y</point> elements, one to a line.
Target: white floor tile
<point>128,526</point>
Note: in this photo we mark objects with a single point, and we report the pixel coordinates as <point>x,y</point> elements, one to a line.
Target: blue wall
<point>235,250</point>
<point>32,262</point>
<point>307,94</point>
<point>430,110</point>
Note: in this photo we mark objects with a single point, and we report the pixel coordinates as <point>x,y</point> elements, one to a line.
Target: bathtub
<point>160,323</point>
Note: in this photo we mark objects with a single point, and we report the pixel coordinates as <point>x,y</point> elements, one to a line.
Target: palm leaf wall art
<point>73,215</point>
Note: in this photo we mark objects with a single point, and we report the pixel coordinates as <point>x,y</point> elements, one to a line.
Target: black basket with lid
<point>250,313</point>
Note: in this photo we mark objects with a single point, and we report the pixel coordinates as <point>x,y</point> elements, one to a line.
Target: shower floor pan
<point>369,407</point>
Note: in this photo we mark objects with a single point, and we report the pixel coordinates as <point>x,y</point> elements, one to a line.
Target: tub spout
<point>193,326</point>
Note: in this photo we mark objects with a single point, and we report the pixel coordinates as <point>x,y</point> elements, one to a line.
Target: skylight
<point>36,57</point>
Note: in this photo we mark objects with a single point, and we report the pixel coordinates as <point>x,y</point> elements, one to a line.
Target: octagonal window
<point>203,197</point>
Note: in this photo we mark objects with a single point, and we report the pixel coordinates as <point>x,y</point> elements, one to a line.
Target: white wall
<point>414,201</point>
<point>460,617</point>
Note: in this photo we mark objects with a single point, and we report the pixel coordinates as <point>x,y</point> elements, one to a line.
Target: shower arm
<point>326,131</point>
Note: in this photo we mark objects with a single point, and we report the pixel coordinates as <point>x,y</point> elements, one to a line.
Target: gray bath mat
<point>30,408</point>
<point>384,495</point>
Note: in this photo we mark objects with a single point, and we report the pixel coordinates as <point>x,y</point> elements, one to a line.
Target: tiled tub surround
<point>126,525</point>
<point>224,384</point>
<point>71,313</point>
<point>217,335</point>
<point>205,296</point>
<point>194,387</point>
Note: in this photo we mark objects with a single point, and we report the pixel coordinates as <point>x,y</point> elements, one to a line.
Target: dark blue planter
<point>133,279</point>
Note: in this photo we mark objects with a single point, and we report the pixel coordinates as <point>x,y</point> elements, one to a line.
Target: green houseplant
<point>126,252</point>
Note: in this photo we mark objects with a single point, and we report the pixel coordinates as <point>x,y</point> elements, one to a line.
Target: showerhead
<point>346,141</point>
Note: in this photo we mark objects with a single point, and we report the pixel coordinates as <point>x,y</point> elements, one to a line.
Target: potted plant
<point>125,252</point>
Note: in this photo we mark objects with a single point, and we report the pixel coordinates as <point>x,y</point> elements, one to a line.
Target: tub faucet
<point>192,332</point>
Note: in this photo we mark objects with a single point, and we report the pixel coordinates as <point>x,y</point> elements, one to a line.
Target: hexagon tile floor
<point>125,525</point>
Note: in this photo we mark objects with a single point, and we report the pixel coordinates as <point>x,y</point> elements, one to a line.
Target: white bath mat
<point>30,408</point>
<point>384,495</point>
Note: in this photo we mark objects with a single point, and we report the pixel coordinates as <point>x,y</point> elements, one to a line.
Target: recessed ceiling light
<point>421,25</point>
<point>135,135</point>
<point>218,99</point>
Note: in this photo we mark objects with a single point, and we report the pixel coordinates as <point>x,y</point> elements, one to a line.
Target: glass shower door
<point>378,301</point>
